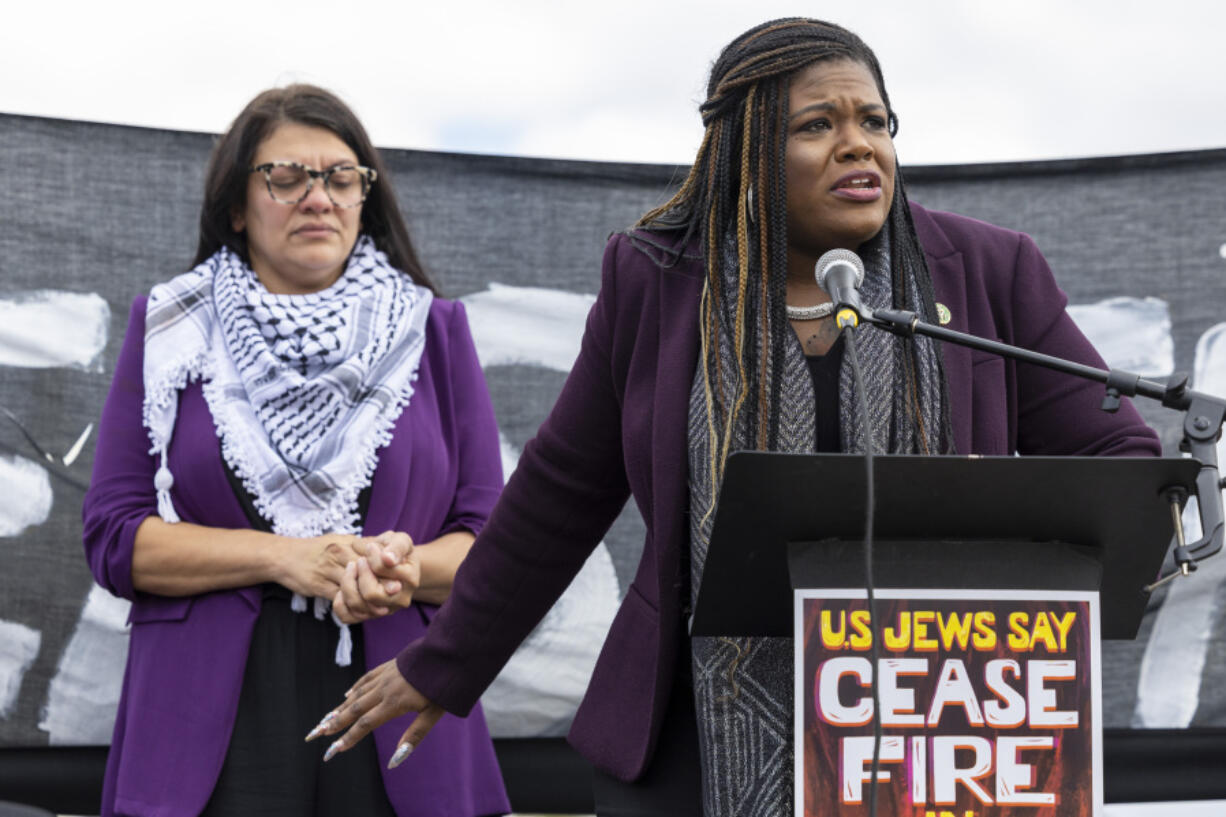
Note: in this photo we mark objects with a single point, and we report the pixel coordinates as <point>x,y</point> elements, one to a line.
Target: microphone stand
<point>1204,415</point>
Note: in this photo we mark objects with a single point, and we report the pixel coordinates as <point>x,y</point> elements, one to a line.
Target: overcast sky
<point>621,80</point>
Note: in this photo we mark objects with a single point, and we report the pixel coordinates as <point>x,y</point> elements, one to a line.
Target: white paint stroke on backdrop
<point>1209,371</point>
<point>1168,689</point>
<point>18,648</point>
<point>51,328</point>
<point>543,327</point>
<point>84,694</point>
<point>537,692</point>
<point>529,325</point>
<point>25,495</point>
<point>539,689</point>
<point>1133,334</point>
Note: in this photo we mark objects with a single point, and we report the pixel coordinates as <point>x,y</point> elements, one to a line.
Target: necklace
<point>810,313</point>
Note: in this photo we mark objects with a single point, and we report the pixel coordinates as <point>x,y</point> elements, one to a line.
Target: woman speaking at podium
<point>710,335</point>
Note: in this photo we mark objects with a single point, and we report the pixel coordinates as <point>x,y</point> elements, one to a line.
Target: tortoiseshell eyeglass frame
<point>369,175</point>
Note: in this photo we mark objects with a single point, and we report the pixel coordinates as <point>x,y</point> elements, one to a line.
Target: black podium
<point>1051,523</point>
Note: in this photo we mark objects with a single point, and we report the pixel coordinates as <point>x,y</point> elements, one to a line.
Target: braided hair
<point>734,201</point>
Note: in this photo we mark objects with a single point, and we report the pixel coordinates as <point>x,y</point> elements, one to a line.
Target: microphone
<point>839,273</point>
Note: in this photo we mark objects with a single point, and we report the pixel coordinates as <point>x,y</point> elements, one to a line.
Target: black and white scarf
<point>743,686</point>
<point>304,389</point>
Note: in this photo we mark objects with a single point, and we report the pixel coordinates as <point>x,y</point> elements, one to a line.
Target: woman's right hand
<point>183,559</point>
<point>316,566</point>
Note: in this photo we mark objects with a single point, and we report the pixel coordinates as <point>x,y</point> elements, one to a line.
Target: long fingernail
<point>321,726</point>
<point>332,750</point>
<point>402,751</point>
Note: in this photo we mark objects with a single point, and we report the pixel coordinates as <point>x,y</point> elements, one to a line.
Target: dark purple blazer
<point>441,472</point>
<point>619,429</point>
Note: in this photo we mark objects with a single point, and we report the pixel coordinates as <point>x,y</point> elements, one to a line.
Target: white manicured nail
<point>321,726</point>
<point>402,751</point>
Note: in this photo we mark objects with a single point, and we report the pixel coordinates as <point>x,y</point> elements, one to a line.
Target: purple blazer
<point>619,429</point>
<point>441,472</point>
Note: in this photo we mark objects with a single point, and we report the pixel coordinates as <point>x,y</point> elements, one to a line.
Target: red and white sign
<point>989,703</point>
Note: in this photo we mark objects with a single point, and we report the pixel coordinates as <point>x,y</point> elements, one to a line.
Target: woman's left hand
<point>377,697</point>
<point>382,580</point>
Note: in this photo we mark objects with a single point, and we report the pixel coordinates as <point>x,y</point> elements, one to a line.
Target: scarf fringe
<point>158,414</point>
<point>344,644</point>
<point>340,514</point>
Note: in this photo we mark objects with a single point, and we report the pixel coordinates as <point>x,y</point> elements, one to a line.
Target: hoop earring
<point>749,208</point>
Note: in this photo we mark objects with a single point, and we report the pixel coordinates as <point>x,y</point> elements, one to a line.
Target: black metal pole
<point>1204,414</point>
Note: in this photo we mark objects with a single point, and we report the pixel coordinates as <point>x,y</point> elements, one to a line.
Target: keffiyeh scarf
<point>304,389</point>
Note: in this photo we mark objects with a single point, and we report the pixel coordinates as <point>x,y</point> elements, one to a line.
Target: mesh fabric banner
<point>96,214</point>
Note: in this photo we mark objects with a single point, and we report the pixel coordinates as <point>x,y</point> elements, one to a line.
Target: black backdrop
<point>111,210</point>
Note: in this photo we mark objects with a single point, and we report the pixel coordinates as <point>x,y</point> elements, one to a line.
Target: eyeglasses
<point>290,182</point>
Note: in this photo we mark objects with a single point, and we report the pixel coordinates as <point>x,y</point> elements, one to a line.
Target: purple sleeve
<point>479,454</point>
<point>121,493</point>
<point>566,491</point>
<point>1048,401</point>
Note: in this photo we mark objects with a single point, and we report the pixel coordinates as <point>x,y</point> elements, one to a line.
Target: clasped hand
<point>365,578</point>
<point>380,581</point>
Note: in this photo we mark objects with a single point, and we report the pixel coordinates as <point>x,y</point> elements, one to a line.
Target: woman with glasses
<point>296,453</point>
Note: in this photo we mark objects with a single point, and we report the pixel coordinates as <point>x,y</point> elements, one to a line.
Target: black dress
<point>291,680</point>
